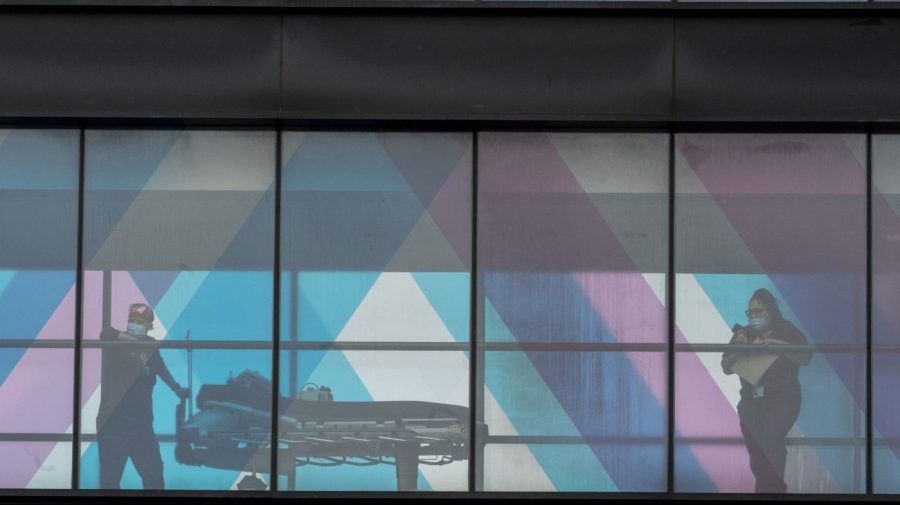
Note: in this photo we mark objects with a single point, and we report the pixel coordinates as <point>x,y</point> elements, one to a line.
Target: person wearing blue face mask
<point>125,418</point>
<point>769,409</point>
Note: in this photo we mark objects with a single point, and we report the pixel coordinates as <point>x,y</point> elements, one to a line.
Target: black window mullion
<point>475,387</point>
<point>79,301</point>
<point>276,322</point>
<point>869,423</point>
<point>670,312</point>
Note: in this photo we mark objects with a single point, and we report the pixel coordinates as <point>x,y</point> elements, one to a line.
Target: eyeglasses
<point>755,312</point>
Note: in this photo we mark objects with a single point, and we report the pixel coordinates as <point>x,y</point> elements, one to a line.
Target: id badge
<point>759,391</point>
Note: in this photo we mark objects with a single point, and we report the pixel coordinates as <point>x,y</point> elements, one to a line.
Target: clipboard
<point>752,367</point>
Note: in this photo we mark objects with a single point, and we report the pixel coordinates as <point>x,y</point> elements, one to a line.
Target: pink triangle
<point>637,315</point>
<point>37,395</point>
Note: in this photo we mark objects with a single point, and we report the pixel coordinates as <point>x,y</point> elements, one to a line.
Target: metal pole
<point>190,371</point>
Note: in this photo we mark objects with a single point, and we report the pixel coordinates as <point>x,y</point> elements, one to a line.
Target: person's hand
<point>126,336</point>
<point>740,337</point>
<point>183,393</point>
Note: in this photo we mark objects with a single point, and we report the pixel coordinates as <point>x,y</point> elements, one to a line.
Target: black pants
<point>765,423</point>
<point>119,440</point>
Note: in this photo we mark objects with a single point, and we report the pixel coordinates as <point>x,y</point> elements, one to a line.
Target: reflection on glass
<point>885,316</point>
<point>341,431</point>
<point>376,248</point>
<point>198,440</point>
<point>38,225</point>
<point>770,251</point>
<point>178,235</point>
<point>572,248</point>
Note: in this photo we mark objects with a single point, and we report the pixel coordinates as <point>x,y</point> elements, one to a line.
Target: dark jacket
<point>128,374</point>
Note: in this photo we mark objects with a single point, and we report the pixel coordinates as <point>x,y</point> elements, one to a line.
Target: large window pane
<point>376,247</point>
<point>182,221</point>
<point>572,253</point>
<point>785,214</point>
<point>38,227</point>
<point>885,316</point>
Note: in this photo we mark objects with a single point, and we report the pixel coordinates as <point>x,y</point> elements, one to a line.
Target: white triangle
<point>290,142</point>
<point>885,149</point>
<point>217,161</point>
<point>396,310</point>
<point>616,162</point>
<point>701,323</point>
<point>510,467</point>
<point>857,145</point>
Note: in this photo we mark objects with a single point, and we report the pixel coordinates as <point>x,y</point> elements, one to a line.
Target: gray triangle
<point>425,250</point>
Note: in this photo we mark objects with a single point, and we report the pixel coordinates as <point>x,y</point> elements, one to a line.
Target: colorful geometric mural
<point>885,316</point>
<point>184,222</point>
<point>573,249</point>
<point>38,226</point>
<point>376,243</point>
<point>376,247</point>
<point>786,213</point>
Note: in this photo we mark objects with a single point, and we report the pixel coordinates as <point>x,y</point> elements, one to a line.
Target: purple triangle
<point>426,161</point>
<point>154,284</point>
<point>451,210</point>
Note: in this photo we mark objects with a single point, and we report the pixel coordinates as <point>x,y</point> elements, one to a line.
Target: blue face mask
<point>758,323</point>
<point>137,329</point>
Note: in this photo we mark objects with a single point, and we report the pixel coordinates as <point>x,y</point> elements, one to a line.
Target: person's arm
<point>796,337</point>
<point>729,358</point>
<point>110,333</point>
<point>163,371</point>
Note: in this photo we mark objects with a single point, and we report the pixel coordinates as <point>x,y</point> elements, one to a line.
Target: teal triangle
<point>245,297</point>
<point>307,361</point>
<point>342,161</point>
<point>524,396</point>
<point>333,297</point>
<point>6,277</point>
<point>521,392</point>
<point>495,330</point>
<point>573,468</point>
<point>351,478</point>
<point>312,328</point>
<point>448,293</point>
<point>286,303</point>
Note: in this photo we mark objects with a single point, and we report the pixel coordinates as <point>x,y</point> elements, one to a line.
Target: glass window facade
<point>375,264</point>
<point>885,320</point>
<point>183,222</point>
<point>39,230</point>
<point>572,257</point>
<point>770,227</point>
<point>452,311</point>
